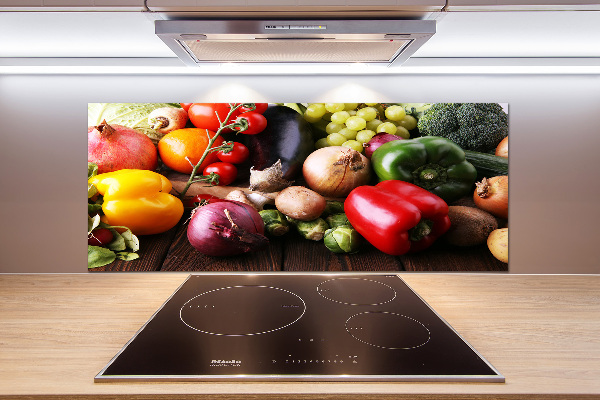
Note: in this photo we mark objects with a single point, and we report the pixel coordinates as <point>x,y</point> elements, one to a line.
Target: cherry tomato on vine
<point>185,106</point>
<point>237,155</point>
<point>204,115</point>
<point>256,122</point>
<point>227,172</point>
<point>260,108</point>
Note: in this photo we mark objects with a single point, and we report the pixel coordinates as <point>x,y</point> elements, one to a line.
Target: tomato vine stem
<point>237,126</point>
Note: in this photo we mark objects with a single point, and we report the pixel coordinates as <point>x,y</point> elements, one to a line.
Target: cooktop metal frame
<point>498,378</point>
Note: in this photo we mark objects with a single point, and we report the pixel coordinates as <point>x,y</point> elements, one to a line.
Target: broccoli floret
<point>458,138</point>
<point>473,126</point>
<point>439,120</point>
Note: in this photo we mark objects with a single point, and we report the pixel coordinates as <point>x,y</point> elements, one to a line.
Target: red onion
<point>377,141</point>
<point>226,228</point>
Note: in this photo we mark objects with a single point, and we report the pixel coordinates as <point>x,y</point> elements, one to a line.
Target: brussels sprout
<point>311,230</point>
<point>275,222</point>
<point>335,220</point>
<point>333,207</point>
<point>342,239</point>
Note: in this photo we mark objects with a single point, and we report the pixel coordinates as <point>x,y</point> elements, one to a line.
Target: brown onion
<point>334,171</point>
<point>491,195</point>
<point>502,149</point>
<point>226,228</point>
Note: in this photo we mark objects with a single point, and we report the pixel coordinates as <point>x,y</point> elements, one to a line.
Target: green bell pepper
<point>433,163</point>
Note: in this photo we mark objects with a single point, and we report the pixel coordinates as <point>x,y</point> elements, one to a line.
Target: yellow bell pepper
<point>138,199</point>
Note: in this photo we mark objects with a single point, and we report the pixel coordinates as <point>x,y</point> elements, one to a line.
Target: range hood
<point>387,42</point>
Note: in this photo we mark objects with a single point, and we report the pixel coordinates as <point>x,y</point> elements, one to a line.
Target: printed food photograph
<point>298,187</point>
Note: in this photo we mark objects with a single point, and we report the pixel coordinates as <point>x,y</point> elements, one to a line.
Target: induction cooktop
<point>308,327</point>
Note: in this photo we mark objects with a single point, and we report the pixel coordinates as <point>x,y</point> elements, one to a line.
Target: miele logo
<point>225,363</point>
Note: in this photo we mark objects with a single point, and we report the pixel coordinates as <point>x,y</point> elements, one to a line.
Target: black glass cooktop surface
<point>313,327</point>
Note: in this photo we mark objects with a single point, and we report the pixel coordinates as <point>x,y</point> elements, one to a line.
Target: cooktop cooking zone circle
<point>356,291</point>
<point>388,330</point>
<point>242,310</point>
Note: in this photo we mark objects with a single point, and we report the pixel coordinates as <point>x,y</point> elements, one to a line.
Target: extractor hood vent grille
<point>295,50</point>
<point>388,42</point>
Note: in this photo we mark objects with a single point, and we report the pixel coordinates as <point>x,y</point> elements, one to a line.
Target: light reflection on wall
<point>352,92</point>
<point>239,92</point>
<point>230,92</point>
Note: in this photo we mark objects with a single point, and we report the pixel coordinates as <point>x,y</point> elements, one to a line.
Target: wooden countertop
<point>542,332</point>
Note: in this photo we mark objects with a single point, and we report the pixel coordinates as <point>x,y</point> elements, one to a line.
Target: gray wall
<point>554,147</point>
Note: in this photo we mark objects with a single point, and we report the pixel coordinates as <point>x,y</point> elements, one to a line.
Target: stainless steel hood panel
<point>388,42</point>
<point>296,8</point>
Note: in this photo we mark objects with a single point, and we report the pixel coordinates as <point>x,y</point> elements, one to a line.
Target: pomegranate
<point>115,147</point>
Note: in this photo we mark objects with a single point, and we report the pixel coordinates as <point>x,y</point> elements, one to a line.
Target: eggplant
<point>288,137</point>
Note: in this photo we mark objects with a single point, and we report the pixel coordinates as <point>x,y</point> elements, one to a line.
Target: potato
<point>301,203</point>
<point>469,226</point>
<point>466,201</point>
<point>498,244</point>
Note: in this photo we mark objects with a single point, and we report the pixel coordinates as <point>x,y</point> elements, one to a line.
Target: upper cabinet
<point>83,5</point>
<point>522,5</point>
<point>359,8</point>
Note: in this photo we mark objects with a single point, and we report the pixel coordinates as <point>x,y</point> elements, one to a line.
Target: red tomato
<point>237,155</point>
<point>260,108</point>
<point>204,115</point>
<point>100,237</point>
<point>256,122</point>
<point>227,172</point>
<point>185,106</point>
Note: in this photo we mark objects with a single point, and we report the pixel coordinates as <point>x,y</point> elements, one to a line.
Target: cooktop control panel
<point>314,327</point>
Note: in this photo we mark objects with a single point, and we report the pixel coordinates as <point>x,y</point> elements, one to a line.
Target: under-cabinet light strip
<point>415,66</point>
<point>103,70</point>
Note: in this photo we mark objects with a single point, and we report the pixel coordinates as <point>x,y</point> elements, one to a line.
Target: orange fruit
<point>175,146</point>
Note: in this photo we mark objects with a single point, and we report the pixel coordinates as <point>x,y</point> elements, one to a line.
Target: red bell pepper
<point>397,217</point>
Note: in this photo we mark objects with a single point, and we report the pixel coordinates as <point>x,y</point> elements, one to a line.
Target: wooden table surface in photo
<point>540,331</point>
<point>171,251</point>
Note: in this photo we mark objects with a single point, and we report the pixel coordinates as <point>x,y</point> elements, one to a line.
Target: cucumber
<point>487,165</point>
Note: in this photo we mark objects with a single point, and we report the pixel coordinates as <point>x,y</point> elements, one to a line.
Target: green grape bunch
<point>354,124</point>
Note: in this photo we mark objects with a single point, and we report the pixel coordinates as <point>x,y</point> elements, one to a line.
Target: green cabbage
<point>415,109</point>
<point>131,115</point>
